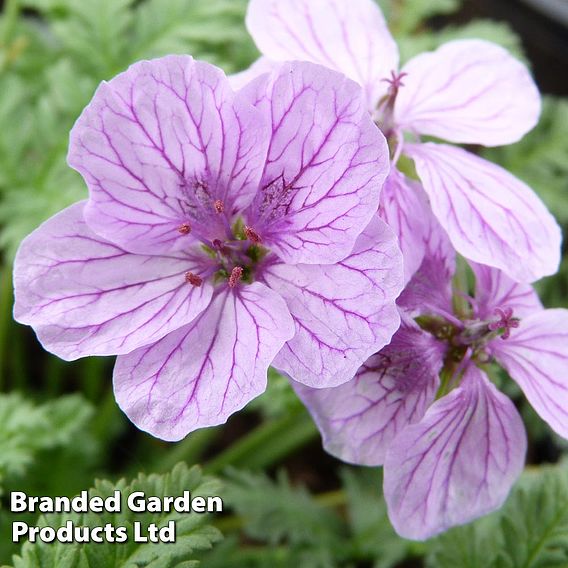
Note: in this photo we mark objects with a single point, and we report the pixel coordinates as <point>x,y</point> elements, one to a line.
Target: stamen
<point>184,229</point>
<point>219,206</point>
<point>236,275</point>
<point>252,235</point>
<point>193,279</point>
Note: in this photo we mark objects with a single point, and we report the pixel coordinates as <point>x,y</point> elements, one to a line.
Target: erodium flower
<point>451,443</point>
<point>468,91</point>
<point>222,233</point>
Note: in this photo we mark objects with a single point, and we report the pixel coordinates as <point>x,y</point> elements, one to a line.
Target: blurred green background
<point>290,503</point>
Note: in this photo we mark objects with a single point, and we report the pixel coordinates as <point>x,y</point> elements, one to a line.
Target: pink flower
<point>468,92</point>
<point>451,444</point>
<point>223,233</point>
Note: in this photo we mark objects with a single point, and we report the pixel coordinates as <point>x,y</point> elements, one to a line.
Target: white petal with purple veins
<point>468,91</point>
<point>359,419</point>
<point>490,216</point>
<point>259,67</point>
<point>351,37</point>
<point>326,164</point>
<point>344,312</point>
<point>535,356</point>
<point>86,296</point>
<point>458,463</point>
<point>158,145</point>
<point>199,375</point>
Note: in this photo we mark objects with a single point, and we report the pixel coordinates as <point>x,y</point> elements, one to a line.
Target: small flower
<point>451,444</point>
<point>467,92</point>
<point>222,233</point>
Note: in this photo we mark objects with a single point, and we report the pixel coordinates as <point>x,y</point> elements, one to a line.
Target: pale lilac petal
<point>351,37</point>
<point>199,375</point>
<point>490,216</point>
<point>458,463</point>
<point>259,67</point>
<point>158,145</point>
<point>406,210</point>
<point>326,164</point>
<point>470,92</point>
<point>359,419</point>
<point>343,312</point>
<point>535,355</point>
<point>430,289</point>
<point>494,289</point>
<point>86,296</point>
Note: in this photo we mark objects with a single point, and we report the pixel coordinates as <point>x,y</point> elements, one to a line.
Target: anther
<point>184,229</point>
<point>236,275</point>
<point>193,279</point>
<point>252,235</point>
<point>219,206</point>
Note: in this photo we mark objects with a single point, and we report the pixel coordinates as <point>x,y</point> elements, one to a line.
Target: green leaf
<point>192,531</point>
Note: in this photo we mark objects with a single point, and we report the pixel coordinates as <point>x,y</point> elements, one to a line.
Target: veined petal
<point>86,296</point>
<point>259,67</point>
<point>351,37</point>
<point>535,356</point>
<point>405,209</point>
<point>199,375</point>
<point>326,164</point>
<point>458,463</point>
<point>490,216</point>
<point>343,312</point>
<point>468,91</point>
<point>430,289</point>
<point>494,289</point>
<point>158,145</point>
<point>359,419</point>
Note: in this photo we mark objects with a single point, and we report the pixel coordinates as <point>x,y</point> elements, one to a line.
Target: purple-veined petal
<point>343,312</point>
<point>494,289</point>
<point>490,216</point>
<point>359,419</point>
<point>405,209</point>
<point>259,67</point>
<point>86,296</point>
<point>199,375</point>
<point>536,357</point>
<point>458,463</point>
<point>430,289</point>
<point>326,165</point>
<point>158,145</point>
<point>470,92</point>
<point>351,37</point>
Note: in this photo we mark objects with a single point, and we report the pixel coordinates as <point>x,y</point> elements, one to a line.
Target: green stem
<point>9,20</point>
<point>268,443</point>
<point>189,450</point>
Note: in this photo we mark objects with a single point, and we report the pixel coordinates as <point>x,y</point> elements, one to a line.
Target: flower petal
<point>494,289</point>
<point>326,164</point>
<point>259,67</point>
<point>86,296</point>
<point>344,312</point>
<point>199,375</point>
<point>158,145</point>
<point>351,37</point>
<point>458,463</point>
<point>536,358</point>
<point>359,419</point>
<point>405,209</point>
<point>490,216</point>
<point>468,91</point>
<point>430,290</point>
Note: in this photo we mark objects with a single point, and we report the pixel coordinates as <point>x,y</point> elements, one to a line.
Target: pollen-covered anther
<point>193,279</point>
<point>252,235</point>
<point>219,206</point>
<point>236,275</point>
<point>184,229</point>
<point>506,322</point>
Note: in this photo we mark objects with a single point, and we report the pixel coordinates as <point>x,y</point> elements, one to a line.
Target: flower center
<point>384,113</point>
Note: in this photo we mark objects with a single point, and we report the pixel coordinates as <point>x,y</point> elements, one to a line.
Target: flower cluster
<point>451,444</point>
